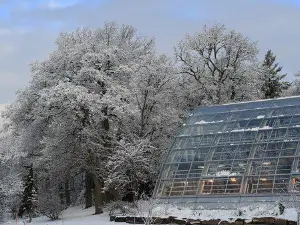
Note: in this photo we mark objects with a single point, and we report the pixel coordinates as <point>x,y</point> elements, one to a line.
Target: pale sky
<point>29,28</point>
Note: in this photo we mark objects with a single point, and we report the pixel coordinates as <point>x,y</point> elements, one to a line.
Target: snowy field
<point>72,216</point>
<point>80,216</point>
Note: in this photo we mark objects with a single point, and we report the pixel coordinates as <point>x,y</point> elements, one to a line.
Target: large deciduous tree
<point>69,114</point>
<point>222,62</point>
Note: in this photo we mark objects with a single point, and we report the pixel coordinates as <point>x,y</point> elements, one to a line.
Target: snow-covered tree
<point>156,93</point>
<point>222,62</point>
<point>129,166</point>
<point>273,84</point>
<point>29,199</point>
<point>10,171</point>
<point>294,88</point>
<point>69,115</point>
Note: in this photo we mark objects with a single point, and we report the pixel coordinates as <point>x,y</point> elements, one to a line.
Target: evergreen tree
<point>273,83</point>
<point>29,196</point>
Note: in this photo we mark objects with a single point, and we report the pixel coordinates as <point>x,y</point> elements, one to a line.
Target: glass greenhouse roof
<point>243,148</point>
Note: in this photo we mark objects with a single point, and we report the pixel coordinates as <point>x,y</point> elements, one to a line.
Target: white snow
<point>80,216</point>
<point>237,130</point>
<point>223,173</point>
<point>252,129</point>
<point>201,122</point>
<point>260,117</point>
<point>265,128</point>
<point>205,122</point>
<point>248,212</point>
<point>73,216</point>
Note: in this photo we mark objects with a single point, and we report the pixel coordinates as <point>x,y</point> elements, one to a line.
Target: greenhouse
<point>243,151</point>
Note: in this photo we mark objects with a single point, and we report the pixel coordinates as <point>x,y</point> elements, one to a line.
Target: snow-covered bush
<point>147,208</point>
<point>118,207</point>
<point>50,204</point>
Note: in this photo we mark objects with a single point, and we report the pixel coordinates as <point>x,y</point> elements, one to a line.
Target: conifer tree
<point>29,199</point>
<point>272,80</point>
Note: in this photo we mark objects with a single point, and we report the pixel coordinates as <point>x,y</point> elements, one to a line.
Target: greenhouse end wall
<point>237,152</point>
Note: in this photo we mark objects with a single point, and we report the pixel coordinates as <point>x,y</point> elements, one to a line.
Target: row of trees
<point>102,109</point>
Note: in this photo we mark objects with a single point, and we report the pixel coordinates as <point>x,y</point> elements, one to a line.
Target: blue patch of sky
<point>288,2</point>
<point>4,12</point>
<point>97,2</point>
<point>193,11</point>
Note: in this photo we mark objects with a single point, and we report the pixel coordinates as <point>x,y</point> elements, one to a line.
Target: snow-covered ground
<point>80,216</point>
<point>247,213</point>
<point>72,216</point>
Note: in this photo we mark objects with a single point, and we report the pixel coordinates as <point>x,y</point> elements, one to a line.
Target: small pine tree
<point>281,208</point>
<point>29,199</point>
<point>273,84</point>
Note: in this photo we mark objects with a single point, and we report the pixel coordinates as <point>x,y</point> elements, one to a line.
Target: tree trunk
<point>98,190</point>
<point>88,190</point>
<point>67,193</point>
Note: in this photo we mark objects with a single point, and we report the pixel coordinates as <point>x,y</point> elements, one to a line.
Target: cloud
<point>30,27</point>
<point>55,4</point>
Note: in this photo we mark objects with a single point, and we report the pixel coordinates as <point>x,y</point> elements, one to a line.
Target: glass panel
<point>186,131</point>
<point>233,185</point>
<point>278,134</point>
<point>238,167</point>
<point>164,188</point>
<point>187,155</point>
<point>281,184</point>
<point>169,171</point>
<point>276,112</point>
<point>283,122</point>
<point>195,141</point>
<point>183,169</point>
<point>201,154</point>
<point>289,110</point>
<point>293,133</point>
<point>264,184</point>
<point>242,154</point>
<point>196,169</point>
<point>295,121</point>
<point>177,187</point>
<point>247,114</point>
<point>180,142</point>
<point>219,186</point>
<point>212,169</point>
<point>264,135</point>
<point>268,167</point>
<point>191,187</point>
<point>284,165</point>
<point>249,136</point>
<point>269,122</point>
<point>254,124</point>
<point>175,156</point>
<point>206,186</point>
